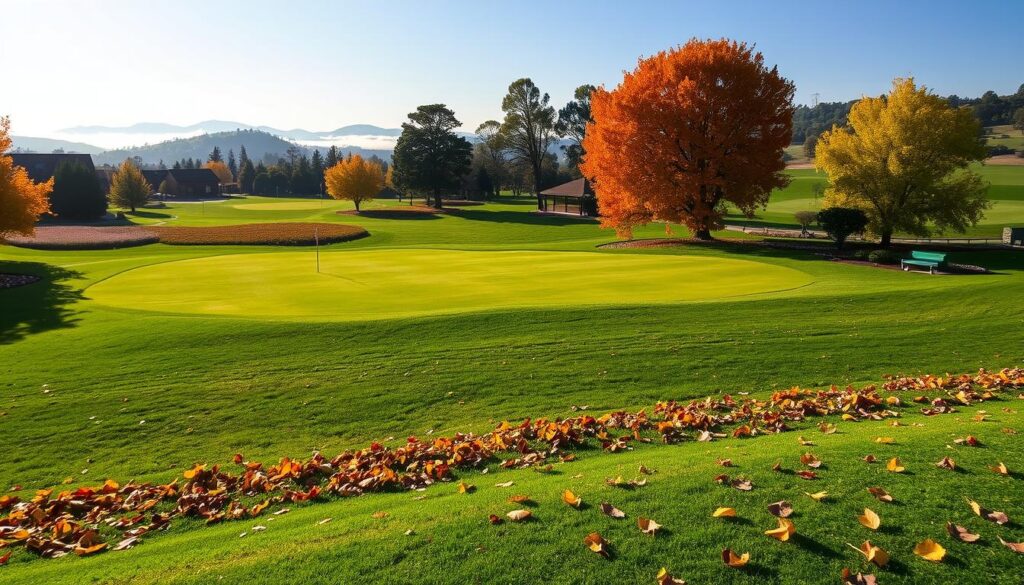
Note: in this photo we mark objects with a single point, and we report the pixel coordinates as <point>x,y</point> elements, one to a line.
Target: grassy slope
<point>1006,191</point>
<point>208,387</point>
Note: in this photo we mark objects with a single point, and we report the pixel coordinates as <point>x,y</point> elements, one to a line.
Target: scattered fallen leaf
<point>872,553</point>
<point>817,496</point>
<point>519,499</point>
<point>410,532</point>
<point>1001,469</point>
<point>804,442</point>
<point>895,465</point>
<point>647,526</point>
<point>806,474</point>
<point>880,494</point>
<point>519,515</point>
<point>885,440</point>
<point>782,509</point>
<point>644,470</point>
<point>324,521</point>
<point>7,557</point>
<point>612,511</point>
<point>930,550</point>
<point>572,499</point>
<point>616,481</point>
<point>960,533</point>
<point>379,515</point>
<point>777,466</point>
<point>505,484</point>
<point>597,543</point>
<point>494,519</point>
<point>810,460</point>
<point>733,560</point>
<point>743,485</point>
<point>724,513</point>
<point>850,578</point>
<point>869,458</point>
<point>465,488</point>
<point>991,515</point>
<point>869,519</point>
<point>259,528</point>
<point>783,531</point>
<point>946,463</point>
<point>1017,547</point>
<point>725,462</point>
<point>969,440</point>
<point>665,578</point>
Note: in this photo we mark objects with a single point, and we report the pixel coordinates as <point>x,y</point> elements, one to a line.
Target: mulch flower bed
<point>13,280</point>
<point>84,238</point>
<point>273,234</point>
<point>396,212</point>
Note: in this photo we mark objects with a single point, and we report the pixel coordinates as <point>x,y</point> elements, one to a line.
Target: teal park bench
<point>929,260</point>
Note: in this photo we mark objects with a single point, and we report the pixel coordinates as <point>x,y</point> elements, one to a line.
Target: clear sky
<point>321,65</point>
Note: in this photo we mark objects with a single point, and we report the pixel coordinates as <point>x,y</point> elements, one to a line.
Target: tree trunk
<point>886,240</point>
<point>536,189</point>
<point>357,205</point>
<point>437,199</point>
<point>703,234</point>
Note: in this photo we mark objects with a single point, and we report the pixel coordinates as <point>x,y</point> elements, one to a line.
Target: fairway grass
<point>141,362</point>
<point>378,284</point>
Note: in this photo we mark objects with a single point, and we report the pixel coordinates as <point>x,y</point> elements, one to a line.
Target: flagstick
<point>316,238</point>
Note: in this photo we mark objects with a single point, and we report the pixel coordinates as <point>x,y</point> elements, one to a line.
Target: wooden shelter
<point>575,198</point>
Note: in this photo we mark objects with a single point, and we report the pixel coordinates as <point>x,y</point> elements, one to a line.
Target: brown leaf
<point>869,458</point>
<point>960,533</point>
<point>494,519</point>
<point>946,463</point>
<point>665,578</point>
<point>519,499</point>
<point>725,462</point>
<point>379,515</point>
<point>597,543</point>
<point>990,515</point>
<point>872,553</point>
<point>743,485</point>
<point>880,494</point>
<point>612,511</point>
<point>647,526</point>
<point>806,474</point>
<point>810,460</point>
<point>1017,547</point>
<point>733,560</point>
<point>782,509</point>
<point>858,578</point>
<point>1001,469</point>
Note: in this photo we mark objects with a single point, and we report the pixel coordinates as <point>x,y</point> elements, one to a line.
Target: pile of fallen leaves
<point>271,234</point>
<point>83,520</point>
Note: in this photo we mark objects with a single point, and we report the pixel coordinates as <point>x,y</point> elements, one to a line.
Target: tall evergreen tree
<point>429,156</point>
<point>232,164</point>
<point>215,155</point>
<point>246,175</point>
<point>529,128</point>
<point>76,193</point>
<point>333,157</point>
<point>317,163</point>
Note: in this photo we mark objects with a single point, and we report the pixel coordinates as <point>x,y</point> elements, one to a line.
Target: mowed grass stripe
<point>376,284</point>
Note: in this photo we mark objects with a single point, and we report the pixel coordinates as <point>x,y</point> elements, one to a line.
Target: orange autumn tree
<point>690,130</point>
<point>355,179</point>
<point>21,200</point>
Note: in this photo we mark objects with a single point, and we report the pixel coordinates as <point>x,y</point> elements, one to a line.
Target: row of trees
<point>698,128</point>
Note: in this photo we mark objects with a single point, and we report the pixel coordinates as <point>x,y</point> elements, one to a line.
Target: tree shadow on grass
<point>37,307</point>
<point>519,217</point>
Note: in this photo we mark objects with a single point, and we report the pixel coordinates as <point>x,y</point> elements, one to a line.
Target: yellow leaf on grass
<point>869,519</point>
<point>895,465</point>
<point>783,531</point>
<point>872,553</point>
<point>572,499</point>
<point>733,560</point>
<point>724,513</point>
<point>930,550</point>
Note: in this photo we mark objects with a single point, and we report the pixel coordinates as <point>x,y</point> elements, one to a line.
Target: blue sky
<point>320,65</point>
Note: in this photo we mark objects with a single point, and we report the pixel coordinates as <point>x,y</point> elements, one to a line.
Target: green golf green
<point>376,284</point>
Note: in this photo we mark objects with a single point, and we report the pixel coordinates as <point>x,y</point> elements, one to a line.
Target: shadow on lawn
<point>37,307</point>
<point>519,217</point>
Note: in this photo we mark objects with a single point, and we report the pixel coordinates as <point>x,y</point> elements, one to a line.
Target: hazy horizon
<point>325,65</point>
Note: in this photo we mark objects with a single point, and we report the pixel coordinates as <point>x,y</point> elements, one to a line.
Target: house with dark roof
<point>575,197</point>
<point>41,167</point>
<point>197,183</point>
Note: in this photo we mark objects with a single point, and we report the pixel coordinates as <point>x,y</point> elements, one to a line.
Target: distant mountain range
<point>259,145</point>
<point>215,126</point>
<point>33,144</point>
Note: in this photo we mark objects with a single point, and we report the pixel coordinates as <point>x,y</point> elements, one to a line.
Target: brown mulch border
<point>15,280</point>
<point>84,238</point>
<point>256,234</point>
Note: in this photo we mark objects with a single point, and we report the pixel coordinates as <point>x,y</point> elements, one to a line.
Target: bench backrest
<point>930,256</point>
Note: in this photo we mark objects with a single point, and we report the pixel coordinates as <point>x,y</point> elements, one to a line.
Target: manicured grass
<point>91,391</point>
<point>1006,191</point>
<point>377,284</point>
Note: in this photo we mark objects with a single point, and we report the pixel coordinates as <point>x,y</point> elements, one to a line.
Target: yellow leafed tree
<point>221,170</point>
<point>903,159</point>
<point>21,200</point>
<point>354,179</point>
<point>128,187</point>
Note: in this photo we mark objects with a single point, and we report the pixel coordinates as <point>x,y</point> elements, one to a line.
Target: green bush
<point>861,254</point>
<point>884,257</point>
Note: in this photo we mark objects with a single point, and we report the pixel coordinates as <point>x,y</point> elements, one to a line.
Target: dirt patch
<point>272,234</point>
<point>13,280</point>
<point>1006,160</point>
<point>84,238</point>
<point>461,202</point>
